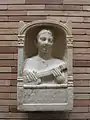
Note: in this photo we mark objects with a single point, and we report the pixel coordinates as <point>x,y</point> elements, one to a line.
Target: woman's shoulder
<point>59,63</point>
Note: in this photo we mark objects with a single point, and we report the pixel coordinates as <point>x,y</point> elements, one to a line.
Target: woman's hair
<point>44,31</point>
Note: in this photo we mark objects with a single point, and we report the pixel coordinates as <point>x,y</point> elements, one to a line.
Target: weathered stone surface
<point>42,81</point>
<point>33,96</point>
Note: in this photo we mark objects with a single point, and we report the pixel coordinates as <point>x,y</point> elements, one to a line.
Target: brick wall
<point>11,12</point>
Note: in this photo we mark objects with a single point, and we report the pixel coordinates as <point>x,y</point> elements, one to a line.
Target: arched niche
<point>59,46</point>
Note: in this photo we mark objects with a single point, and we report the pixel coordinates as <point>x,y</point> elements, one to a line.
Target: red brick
<point>79,116</point>
<point>26,7</point>
<point>3,7</point>
<point>81,45</point>
<point>79,31</point>
<point>62,13</point>
<point>4,49</point>
<point>6,56</point>
<point>8,102</point>
<point>13,115</point>
<point>4,82</point>
<point>81,57</point>
<point>81,37</point>
<point>4,63</point>
<point>81,76</point>
<point>81,50</point>
<point>53,7</point>
<point>81,70</point>
<point>82,90</point>
<point>26,18</point>
<point>8,25</point>
<point>85,2</point>
<point>72,7</point>
<point>7,89</point>
<point>8,37</point>
<point>81,83</point>
<point>5,69</point>
<point>8,43</point>
<point>9,13</point>
<point>63,7</point>
<point>13,96</point>
<point>86,19</point>
<point>89,109</point>
<point>13,108</point>
<point>6,76</point>
<point>14,69</point>
<point>15,56</point>
<point>3,18</point>
<point>4,95</point>
<point>13,82</point>
<point>8,32</point>
<point>86,8</point>
<point>82,63</point>
<point>12,2</point>
<point>81,103</point>
<point>88,32</point>
<point>44,2</point>
<point>81,25</point>
<point>64,18</point>
<point>81,96</point>
<point>80,109</point>
<point>4,108</point>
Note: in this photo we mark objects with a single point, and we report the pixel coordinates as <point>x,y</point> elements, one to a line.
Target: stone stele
<point>45,78</point>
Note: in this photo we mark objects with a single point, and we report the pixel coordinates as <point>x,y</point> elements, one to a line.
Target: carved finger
<point>39,81</point>
<point>35,75</point>
<point>57,71</point>
<point>35,78</point>
<point>63,74</point>
<point>32,76</point>
<point>25,77</point>
<point>29,76</point>
<point>54,72</point>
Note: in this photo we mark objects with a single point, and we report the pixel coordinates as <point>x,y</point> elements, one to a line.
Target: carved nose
<point>45,45</point>
<point>46,42</point>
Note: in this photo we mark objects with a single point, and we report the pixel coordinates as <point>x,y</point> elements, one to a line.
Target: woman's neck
<point>45,56</point>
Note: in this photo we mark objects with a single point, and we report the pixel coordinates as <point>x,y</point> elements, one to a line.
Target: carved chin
<point>45,50</point>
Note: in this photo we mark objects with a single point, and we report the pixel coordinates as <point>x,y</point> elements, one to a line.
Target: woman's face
<point>45,42</point>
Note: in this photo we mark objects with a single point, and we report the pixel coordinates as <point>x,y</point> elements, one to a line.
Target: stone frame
<point>23,28</point>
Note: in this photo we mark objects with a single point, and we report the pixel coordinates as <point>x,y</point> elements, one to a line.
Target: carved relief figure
<point>43,68</point>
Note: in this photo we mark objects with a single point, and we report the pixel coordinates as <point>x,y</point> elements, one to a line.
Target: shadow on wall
<point>48,115</point>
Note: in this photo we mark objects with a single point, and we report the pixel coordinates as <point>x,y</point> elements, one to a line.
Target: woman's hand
<point>31,76</point>
<point>59,76</point>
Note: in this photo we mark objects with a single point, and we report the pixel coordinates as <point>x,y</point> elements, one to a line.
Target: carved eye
<point>43,39</point>
<point>50,40</point>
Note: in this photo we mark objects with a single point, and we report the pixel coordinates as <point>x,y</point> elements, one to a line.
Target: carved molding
<point>29,25</point>
<point>69,40</point>
<point>51,86</point>
<point>20,95</point>
<point>21,39</point>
